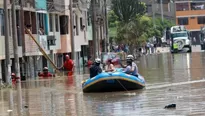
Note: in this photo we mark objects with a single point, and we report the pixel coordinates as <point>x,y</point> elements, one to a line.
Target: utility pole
<point>71,29</point>
<point>16,58</point>
<point>106,26</point>
<point>7,52</point>
<point>93,3</point>
<point>22,34</point>
<point>162,13</point>
<point>153,13</point>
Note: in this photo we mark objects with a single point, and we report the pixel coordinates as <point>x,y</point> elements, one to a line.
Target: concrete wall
<point>65,44</point>
<point>89,33</point>
<point>2,48</point>
<point>81,38</point>
<point>30,47</point>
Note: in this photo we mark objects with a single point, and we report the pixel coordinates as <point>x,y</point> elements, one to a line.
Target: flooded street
<point>177,79</point>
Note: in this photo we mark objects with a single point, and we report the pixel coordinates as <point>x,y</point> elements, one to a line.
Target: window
<point>64,24</point>
<point>182,6</point>
<point>183,21</point>
<point>88,19</point>
<point>201,20</point>
<point>77,26</point>
<point>81,24</point>
<point>57,23</point>
<point>51,22</point>
<point>33,26</point>
<point>19,38</point>
<point>175,35</point>
<point>197,6</point>
<point>2,21</point>
<point>41,23</point>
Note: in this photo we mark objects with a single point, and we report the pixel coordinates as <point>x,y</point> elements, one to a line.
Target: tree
<point>161,25</point>
<point>135,32</point>
<point>127,10</point>
<point>138,31</point>
<point>112,23</point>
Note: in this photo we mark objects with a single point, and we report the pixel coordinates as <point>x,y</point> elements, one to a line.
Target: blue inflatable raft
<point>113,81</point>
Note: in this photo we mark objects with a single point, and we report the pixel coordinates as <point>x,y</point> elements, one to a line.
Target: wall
<point>30,47</point>
<point>89,33</point>
<point>192,17</point>
<point>0,72</point>
<point>80,39</point>
<point>193,24</point>
<point>2,48</point>
<point>65,44</point>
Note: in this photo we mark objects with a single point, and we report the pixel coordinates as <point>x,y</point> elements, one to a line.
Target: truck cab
<point>180,39</point>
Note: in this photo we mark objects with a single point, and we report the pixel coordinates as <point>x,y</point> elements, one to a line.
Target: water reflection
<point>171,78</point>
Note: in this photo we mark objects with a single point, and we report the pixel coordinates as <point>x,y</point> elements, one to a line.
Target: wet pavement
<point>177,78</point>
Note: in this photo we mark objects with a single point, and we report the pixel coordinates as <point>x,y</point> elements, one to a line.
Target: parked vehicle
<point>180,39</point>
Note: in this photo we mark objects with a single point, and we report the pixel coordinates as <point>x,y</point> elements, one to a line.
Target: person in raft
<point>131,67</point>
<point>110,67</point>
<point>68,65</point>
<point>45,74</point>
<point>95,69</point>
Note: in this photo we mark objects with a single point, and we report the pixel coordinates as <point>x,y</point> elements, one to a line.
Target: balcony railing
<point>26,3</point>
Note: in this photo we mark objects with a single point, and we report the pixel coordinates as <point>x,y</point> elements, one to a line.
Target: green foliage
<point>112,19</point>
<point>127,10</point>
<point>160,26</point>
<point>129,24</point>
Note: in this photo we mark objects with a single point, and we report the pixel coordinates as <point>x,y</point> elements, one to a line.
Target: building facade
<point>192,15</point>
<point>49,23</point>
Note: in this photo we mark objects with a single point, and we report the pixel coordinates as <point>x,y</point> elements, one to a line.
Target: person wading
<point>68,65</point>
<point>45,74</point>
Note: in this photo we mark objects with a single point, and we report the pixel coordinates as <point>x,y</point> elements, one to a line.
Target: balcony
<point>55,6</point>
<point>190,9</point>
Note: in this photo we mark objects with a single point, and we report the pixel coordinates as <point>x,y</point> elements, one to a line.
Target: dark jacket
<point>95,70</point>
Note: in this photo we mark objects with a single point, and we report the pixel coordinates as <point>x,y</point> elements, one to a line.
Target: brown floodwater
<point>177,79</point>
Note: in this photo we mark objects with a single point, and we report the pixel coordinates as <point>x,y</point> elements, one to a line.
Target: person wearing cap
<point>131,67</point>
<point>68,65</point>
<point>95,69</point>
<point>45,74</point>
<point>110,67</point>
<point>13,78</point>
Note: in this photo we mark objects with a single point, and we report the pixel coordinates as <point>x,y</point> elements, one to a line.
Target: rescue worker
<point>45,74</point>
<point>89,63</point>
<point>110,67</point>
<point>131,67</point>
<point>13,78</point>
<point>95,69</point>
<point>68,65</point>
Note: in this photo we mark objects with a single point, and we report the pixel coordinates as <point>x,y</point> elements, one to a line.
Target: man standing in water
<point>68,65</point>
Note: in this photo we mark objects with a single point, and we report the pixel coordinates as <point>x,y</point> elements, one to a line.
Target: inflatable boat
<point>113,81</point>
